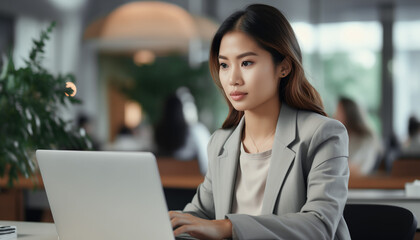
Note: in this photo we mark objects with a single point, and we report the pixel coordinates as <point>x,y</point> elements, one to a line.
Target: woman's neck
<point>260,127</point>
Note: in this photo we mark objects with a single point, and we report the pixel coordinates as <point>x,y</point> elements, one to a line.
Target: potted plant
<point>30,99</point>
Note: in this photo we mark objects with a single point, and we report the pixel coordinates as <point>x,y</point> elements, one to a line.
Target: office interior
<point>128,56</point>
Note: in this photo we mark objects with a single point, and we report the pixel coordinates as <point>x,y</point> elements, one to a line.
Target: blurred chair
<point>406,167</point>
<point>368,221</point>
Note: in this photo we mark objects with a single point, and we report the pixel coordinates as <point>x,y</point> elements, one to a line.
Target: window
<point>344,59</point>
<point>406,75</point>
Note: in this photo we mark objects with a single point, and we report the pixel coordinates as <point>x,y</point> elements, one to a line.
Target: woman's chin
<point>239,109</point>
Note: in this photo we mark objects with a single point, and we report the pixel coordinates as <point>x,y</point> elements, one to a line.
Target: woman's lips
<point>236,95</point>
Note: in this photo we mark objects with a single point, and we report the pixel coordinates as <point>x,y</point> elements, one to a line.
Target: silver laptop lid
<point>105,195</point>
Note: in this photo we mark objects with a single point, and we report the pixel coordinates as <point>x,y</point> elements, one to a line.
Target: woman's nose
<point>235,77</point>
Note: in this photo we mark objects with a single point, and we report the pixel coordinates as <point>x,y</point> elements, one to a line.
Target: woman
<point>172,131</point>
<point>364,147</point>
<point>179,134</point>
<point>412,144</point>
<point>278,167</point>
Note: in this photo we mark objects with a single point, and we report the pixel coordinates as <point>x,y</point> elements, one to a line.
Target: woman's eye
<point>247,63</point>
<point>223,65</point>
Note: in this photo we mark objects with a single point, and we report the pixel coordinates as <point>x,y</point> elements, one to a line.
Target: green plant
<point>30,100</point>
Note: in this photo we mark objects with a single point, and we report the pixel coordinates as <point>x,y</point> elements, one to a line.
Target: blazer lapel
<point>281,157</point>
<point>228,165</point>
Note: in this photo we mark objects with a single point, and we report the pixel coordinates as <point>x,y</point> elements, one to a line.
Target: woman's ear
<point>284,67</point>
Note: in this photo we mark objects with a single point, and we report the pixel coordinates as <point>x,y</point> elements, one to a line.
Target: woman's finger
<point>184,229</point>
<point>173,214</point>
<point>180,220</point>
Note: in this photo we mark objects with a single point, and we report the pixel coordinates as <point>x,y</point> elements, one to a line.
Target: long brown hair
<point>271,30</point>
<point>355,120</point>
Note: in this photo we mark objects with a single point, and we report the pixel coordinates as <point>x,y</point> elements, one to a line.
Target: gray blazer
<point>306,188</point>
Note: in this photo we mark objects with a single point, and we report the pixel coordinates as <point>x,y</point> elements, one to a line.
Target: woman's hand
<point>200,228</point>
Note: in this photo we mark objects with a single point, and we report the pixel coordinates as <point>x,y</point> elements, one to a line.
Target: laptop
<point>105,195</point>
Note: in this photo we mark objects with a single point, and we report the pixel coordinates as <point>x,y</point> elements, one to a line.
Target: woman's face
<point>247,73</point>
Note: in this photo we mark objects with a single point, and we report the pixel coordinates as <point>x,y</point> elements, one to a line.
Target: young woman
<point>278,167</point>
<point>364,146</point>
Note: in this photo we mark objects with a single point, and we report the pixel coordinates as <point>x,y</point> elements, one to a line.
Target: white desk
<point>46,231</point>
<point>386,197</point>
<point>33,230</point>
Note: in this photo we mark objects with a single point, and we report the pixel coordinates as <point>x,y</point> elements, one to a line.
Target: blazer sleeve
<point>202,204</point>
<point>326,194</point>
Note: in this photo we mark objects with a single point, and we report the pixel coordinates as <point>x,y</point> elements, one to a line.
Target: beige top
<point>250,182</point>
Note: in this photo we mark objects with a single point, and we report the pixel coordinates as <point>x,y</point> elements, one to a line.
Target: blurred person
<point>391,151</point>
<point>278,167</point>
<point>179,134</point>
<point>412,145</point>
<point>131,139</point>
<point>199,135</point>
<point>85,124</point>
<point>364,147</point>
<point>413,131</point>
<point>125,140</point>
<point>144,133</point>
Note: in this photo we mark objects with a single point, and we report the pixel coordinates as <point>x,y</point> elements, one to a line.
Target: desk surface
<point>33,230</point>
<point>186,175</point>
<point>380,194</point>
<point>173,174</point>
<point>47,231</point>
<point>43,231</point>
<point>179,174</point>
<point>379,182</point>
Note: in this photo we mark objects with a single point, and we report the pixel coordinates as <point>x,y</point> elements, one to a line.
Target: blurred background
<point>123,52</point>
<point>367,50</point>
<point>129,56</point>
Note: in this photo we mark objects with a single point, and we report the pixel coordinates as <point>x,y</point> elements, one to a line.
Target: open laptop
<point>105,195</point>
